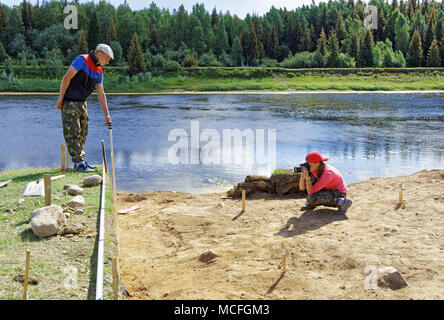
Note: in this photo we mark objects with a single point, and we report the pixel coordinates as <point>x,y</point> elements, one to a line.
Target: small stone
<point>207,256</point>
<point>20,202</point>
<point>67,215</point>
<point>67,186</point>
<point>75,229</point>
<point>76,202</point>
<point>92,181</point>
<point>79,211</point>
<point>9,210</point>
<point>395,230</point>
<point>74,190</point>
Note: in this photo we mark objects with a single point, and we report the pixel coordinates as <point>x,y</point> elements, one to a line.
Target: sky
<point>238,7</point>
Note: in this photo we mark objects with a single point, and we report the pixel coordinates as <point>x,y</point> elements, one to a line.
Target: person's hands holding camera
<point>304,173</point>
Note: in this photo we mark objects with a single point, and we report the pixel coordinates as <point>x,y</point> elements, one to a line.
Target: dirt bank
<point>160,244</point>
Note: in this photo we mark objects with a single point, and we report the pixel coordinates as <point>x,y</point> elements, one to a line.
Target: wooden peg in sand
<point>47,185</point>
<point>401,188</point>
<point>243,200</point>
<point>62,148</point>
<point>25,282</point>
<point>284,258</point>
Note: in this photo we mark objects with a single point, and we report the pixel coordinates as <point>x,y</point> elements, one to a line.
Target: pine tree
<point>402,8</point>
<point>93,32</point>
<point>82,44</point>
<point>322,43</point>
<point>3,54</point>
<point>112,32</point>
<point>340,28</point>
<point>351,3</point>
<point>136,61</point>
<point>410,10</point>
<point>26,15</point>
<point>2,23</point>
<point>254,46</point>
<point>394,5</point>
<point>237,52</point>
<point>221,38</point>
<point>430,35</point>
<point>415,53</point>
<point>324,20</point>
<point>214,17</point>
<point>333,49</point>
<point>366,50</point>
<point>441,47</point>
<point>382,23</point>
<point>154,39</point>
<point>434,56</point>
<point>273,44</point>
<point>353,46</point>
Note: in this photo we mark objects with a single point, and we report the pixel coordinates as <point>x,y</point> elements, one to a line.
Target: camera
<point>299,169</point>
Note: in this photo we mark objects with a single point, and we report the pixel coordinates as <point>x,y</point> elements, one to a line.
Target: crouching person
<point>324,184</point>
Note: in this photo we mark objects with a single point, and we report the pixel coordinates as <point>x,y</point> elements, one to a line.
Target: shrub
<point>189,62</point>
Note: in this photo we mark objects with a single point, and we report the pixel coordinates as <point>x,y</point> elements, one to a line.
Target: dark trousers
<point>327,198</point>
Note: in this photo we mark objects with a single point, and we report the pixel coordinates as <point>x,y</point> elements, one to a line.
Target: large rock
<point>92,181</point>
<point>74,190</point>
<point>47,221</point>
<point>280,184</point>
<point>286,183</point>
<point>76,202</point>
<point>384,277</point>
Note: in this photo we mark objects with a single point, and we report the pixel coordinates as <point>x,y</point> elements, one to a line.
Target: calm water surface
<point>365,135</point>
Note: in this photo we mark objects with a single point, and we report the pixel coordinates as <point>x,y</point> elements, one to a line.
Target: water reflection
<point>365,135</point>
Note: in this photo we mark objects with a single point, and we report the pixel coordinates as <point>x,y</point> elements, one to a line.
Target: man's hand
<point>107,120</point>
<point>58,105</point>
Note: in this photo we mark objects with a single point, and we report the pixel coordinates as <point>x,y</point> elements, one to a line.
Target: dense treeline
<point>410,33</point>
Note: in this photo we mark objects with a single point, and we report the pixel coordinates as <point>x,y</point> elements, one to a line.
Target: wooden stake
<point>115,280</point>
<point>284,258</point>
<point>243,200</point>
<point>400,193</point>
<point>67,158</point>
<point>47,182</point>
<point>62,147</point>
<point>104,156</point>
<point>25,283</point>
<point>114,174</point>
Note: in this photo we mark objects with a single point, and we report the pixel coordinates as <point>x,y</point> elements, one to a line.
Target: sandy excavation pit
<point>160,244</point>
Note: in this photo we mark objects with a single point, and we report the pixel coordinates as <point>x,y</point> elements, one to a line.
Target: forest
<point>328,35</point>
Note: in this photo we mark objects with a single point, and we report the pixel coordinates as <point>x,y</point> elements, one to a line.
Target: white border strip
<point>99,281</point>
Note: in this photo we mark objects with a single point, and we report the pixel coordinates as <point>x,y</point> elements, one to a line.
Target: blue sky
<point>239,7</point>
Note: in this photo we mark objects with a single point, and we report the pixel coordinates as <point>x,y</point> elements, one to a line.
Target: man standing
<point>84,74</point>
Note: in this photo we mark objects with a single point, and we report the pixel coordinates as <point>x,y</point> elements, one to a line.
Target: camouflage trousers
<point>328,198</point>
<point>75,128</point>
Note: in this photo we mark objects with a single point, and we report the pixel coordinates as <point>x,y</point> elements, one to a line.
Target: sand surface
<point>160,244</point>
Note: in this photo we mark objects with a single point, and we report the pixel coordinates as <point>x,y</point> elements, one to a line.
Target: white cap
<point>106,49</point>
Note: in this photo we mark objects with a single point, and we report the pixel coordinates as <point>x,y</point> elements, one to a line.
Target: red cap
<point>315,156</point>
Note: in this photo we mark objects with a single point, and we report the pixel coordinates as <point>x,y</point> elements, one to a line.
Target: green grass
<point>52,257</point>
<point>236,80</point>
<point>283,171</point>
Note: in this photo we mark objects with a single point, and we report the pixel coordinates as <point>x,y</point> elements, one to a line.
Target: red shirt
<point>330,179</point>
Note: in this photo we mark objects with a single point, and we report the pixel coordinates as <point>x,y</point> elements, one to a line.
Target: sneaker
<point>344,207</point>
<point>82,167</point>
<point>306,207</point>
<point>90,166</point>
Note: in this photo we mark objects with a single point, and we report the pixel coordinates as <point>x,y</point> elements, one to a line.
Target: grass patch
<point>233,80</point>
<point>283,171</point>
<point>53,259</point>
